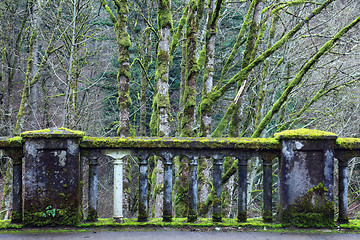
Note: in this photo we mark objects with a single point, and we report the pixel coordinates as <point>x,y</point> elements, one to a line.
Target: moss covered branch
<point>216,94</point>
<point>297,79</point>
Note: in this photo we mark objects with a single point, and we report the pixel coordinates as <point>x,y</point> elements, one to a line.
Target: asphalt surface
<point>175,235</point>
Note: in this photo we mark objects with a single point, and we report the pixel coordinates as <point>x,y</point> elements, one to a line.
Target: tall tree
<point>123,43</point>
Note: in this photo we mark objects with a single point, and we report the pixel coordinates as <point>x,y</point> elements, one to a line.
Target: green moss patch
<point>312,210</point>
<point>191,143</point>
<point>15,142</point>
<point>253,224</point>
<point>348,143</point>
<point>303,134</point>
<point>53,133</point>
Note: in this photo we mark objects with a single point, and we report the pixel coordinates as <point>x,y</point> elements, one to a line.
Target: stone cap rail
<point>7,142</point>
<point>348,144</point>
<point>342,144</point>
<point>181,143</point>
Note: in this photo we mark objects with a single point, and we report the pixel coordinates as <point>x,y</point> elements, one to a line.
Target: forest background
<point>188,68</point>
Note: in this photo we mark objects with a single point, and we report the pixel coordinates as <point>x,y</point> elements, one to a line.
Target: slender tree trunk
<point>70,103</point>
<point>204,169</point>
<point>124,101</point>
<point>192,69</point>
<point>195,12</point>
<point>162,103</point>
<point>34,120</point>
<point>249,52</point>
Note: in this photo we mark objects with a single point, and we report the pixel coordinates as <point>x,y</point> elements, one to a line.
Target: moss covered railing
<point>193,148</point>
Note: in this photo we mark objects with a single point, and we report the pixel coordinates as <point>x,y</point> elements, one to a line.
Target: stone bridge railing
<point>52,191</point>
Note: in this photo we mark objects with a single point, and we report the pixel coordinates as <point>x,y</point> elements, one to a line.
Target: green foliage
<point>50,212</point>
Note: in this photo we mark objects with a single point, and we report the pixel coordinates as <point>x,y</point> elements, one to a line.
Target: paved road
<point>177,235</point>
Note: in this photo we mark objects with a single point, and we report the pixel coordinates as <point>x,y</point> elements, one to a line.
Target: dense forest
<point>190,68</point>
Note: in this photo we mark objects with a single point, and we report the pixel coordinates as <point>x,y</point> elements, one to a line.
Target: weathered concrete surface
<point>53,189</point>
<point>306,182</point>
<point>183,235</point>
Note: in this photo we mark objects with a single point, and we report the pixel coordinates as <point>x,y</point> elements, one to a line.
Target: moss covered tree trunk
<point>208,53</point>
<point>123,43</point>
<point>70,93</point>
<point>161,104</point>
<point>249,52</point>
<point>120,23</point>
<point>34,117</point>
<point>191,69</point>
<point>195,12</point>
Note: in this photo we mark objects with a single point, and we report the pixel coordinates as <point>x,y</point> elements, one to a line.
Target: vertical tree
<point>123,43</point>
<point>160,119</point>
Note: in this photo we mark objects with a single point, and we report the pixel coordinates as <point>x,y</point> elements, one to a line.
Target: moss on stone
<point>310,210</point>
<point>242,216</point>
<point>58,217</point>
<point>217,217</point>
<point>181,143</point>
<point>15,142</point>
<point>192,215</point>
<point>53,133</point>
<point>202,223</point>
<point>304,134</point>
<point>267,216</point>
<point>348,143</point>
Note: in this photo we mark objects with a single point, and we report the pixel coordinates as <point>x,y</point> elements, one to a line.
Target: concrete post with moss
<point>217,183</point>
<point>53,182</point>
<point>306,179</point>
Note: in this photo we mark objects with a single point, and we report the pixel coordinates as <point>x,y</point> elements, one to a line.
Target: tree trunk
<point>204,169</point>
<point>195,12</point>
<point>162,102</point>
<point>34,120</point>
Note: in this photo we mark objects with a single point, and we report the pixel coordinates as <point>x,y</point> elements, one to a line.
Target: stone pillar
<point>53,189</point>
<point>242,188</point>
<point>118,155</point>
<point>17,155</point>
<point>217,183</point>
<point>267,190</point>
<point>143,187</point>
<point>343,189</point>
<point>93,186</point>
<point>306,178</point>
<point>192,214</point>
<point>168,184</point>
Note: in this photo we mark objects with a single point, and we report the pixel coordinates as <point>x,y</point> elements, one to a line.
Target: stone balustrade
<point>53,174</point>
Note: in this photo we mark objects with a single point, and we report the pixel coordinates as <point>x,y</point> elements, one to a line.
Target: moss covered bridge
<point>50,161</point>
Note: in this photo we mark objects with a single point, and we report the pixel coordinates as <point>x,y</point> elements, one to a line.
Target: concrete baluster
<point>17,211</point>
<point>343,191</point>
<point>143,190</point>
<point>118,156</point>
<point>192,214</point>
<point>168,179</point>
<point>217,183</point>
<point>267,187</point>
<point>93,187</point>
<point>242,198</point>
